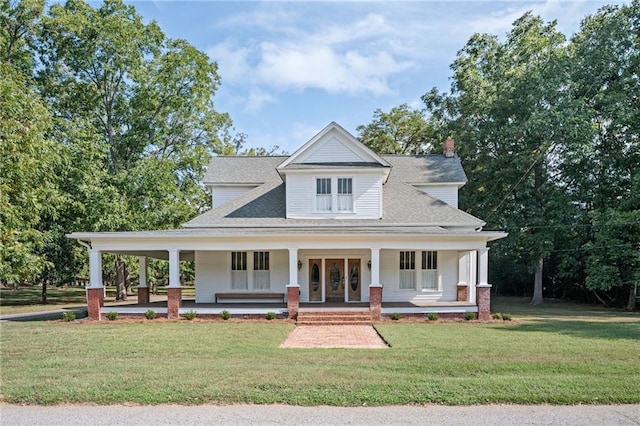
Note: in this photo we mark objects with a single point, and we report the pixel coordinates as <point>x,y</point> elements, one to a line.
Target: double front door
<point>337,286</point>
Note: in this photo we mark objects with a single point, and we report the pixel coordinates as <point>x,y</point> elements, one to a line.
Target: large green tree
<point>402,130</point>
<point>605,76</point>
<point>510,110</point>
<point>134,109</point>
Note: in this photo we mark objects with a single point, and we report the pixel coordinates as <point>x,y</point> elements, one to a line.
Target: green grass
<point>28,299</point>
<point>556,361</point>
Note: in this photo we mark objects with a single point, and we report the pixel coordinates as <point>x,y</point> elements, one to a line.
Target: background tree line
<point>548,130</point>
<point>107,125</point>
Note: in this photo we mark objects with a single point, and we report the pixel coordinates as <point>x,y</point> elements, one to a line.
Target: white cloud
<point>257,98</point>
<point>232,60</point>
<point>319,66</point>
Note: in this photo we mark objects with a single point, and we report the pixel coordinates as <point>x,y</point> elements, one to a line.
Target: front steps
<point>334,318</point>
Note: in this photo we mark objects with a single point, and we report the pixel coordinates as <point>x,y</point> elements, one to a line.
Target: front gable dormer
<point>334,175</point>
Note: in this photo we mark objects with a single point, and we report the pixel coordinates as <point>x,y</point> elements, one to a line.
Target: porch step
<point>334,318</point>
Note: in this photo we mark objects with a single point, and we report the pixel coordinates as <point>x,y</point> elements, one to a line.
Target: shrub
<point>506,317</point>
<point>150,314</point>
<point>111,316</point>
<point>189,315</point>
<point>395,316</point>
<point>496,316</point>
<point>68,315</point>
<point>432,316</point>
<point>270,315</point>
<point>468,316</point>
<point>225,315</point>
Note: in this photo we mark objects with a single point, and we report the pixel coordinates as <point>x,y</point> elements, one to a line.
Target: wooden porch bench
<point>250,295</point>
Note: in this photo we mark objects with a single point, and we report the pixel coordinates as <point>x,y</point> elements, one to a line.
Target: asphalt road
<point>495,415</point>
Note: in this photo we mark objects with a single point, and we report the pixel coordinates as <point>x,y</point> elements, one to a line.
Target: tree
<point>136,110</point>
<point>606,60</point>
<point>27,156</point>
<point>509,108</point>
<point>402,130</point>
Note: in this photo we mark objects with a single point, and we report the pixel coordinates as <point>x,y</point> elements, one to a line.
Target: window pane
<point>430,279</point>
<point>407,280</point>
<point>261,280</point>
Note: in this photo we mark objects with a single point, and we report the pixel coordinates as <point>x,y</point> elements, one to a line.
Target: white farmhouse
<point>332,225</point>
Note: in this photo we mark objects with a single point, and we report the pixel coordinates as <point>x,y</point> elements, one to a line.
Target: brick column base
<point>174,301</point>
<point>484,301</point>
<point>375,302</point>
<point>143,295</point>
<point>293,301</point>
<point>463,293</point>
<point>95,300</point>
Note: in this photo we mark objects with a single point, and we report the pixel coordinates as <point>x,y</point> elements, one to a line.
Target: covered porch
<point>302,271</point>
<point>259,310</point>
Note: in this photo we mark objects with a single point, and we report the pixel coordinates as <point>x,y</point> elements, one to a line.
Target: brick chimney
<point>449,148</point>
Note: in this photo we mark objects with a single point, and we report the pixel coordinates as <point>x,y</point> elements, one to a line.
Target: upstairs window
<point>345,195</point>
<point>323,194</point>
<point>429,270</point>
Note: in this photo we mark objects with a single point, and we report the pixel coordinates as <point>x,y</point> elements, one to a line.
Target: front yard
<point>584,358</point>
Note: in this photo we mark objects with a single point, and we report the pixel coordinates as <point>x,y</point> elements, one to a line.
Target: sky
<point>289,68</point>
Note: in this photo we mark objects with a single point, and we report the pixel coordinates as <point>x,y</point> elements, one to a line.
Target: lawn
<point>28,298</point>
<point>587,359</point>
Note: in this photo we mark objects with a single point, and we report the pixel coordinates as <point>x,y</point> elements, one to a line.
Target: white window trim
<point>418,273</point>
<point>334,195</point>
<point>250,271</point>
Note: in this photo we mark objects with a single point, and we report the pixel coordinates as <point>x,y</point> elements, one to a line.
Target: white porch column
<point>473,275</point>
<point>174,268</point>
<point>375,267</point>
<point>483,273</point>
<point>95,268</point>
<point>293,268</point>
<point>142,266</point>
<point>463,268</point>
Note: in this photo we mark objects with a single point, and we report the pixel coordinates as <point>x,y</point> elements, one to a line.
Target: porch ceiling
<point>187,255</point>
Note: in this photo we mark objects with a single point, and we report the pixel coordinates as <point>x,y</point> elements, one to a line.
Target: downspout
<point>82,243</point>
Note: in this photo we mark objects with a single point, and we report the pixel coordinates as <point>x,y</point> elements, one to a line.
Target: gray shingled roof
<point>239,169</point>
<point>404,205</point>
<point>426,168</point>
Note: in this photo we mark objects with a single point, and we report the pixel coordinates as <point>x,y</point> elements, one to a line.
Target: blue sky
<point>290,68</point>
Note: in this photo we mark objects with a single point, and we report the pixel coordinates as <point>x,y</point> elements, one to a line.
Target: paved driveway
<point>495,415</point>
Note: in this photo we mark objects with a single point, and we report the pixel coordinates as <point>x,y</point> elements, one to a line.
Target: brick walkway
<point>334,336</point>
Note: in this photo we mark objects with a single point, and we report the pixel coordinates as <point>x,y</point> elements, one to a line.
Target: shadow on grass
<point>33,296</point>
<point>583,329</point>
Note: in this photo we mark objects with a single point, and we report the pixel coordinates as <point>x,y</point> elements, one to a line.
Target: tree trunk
<point>537,283</point>
<point>631,304</point>
<point>121,290</point>
<point>44,292</point>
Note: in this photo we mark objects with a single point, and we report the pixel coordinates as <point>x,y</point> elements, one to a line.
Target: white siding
<point>300,195</point>
<point>330,151</point>
<point>223,194</point>
<point>447,276</point>
<point>367,196</point>
<point>213,273</point>
<point>446,193</point>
